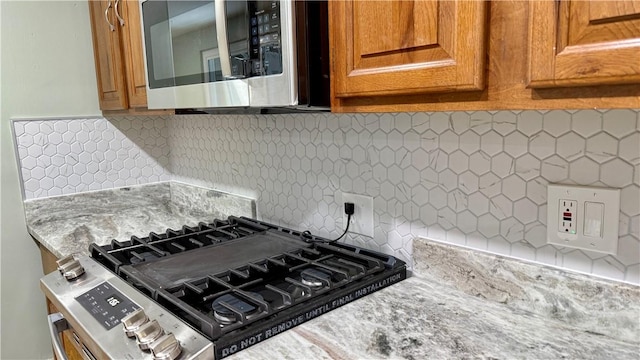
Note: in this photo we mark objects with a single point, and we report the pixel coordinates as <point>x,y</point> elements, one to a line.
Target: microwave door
<point>187,51</point>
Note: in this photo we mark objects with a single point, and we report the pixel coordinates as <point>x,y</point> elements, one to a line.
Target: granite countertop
<point>69,224</point>
<point>460,303</point>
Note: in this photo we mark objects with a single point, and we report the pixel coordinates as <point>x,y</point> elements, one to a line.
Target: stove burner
<point>142,257</point>
<point>226,316</point>
<point>314,277</point>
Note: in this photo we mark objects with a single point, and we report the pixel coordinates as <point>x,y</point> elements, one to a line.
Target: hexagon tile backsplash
<point>471,178</point>
<point>65,156</point>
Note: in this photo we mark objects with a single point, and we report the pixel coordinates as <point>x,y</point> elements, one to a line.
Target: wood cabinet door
<point>581,43</point>
<point>107,52</point>
<point>406,47</point>
<point>131,31</point>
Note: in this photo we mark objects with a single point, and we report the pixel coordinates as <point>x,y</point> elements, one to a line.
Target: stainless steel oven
<point>236,53</point>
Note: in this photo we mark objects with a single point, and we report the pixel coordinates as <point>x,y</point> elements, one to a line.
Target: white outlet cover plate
<point>362,218</point>
<point>608,243</point>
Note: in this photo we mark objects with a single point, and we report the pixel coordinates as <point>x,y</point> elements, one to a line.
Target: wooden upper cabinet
<point>582,43</point>
<point>118,52</point>
<point>406,47</point>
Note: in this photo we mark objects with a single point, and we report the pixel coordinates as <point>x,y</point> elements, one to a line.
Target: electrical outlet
<point>583,217</point>
<point>567,216</point>
<point>362,218</point>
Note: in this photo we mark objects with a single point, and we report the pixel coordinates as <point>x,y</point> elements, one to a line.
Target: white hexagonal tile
<point>478,203</point>
<point>542,145</point>
<point>387,157</point>
<point>502,165</point>
<point>629,203</point>
<point>429,178</point>
<point>557,122</point>
<point>467,221</point>
<point>458,162</point>
<point>512,230</point>
<point>420,122</point>
<point>513,187</point>
<point>488,225</point>
<point>437,198</point>
<point>420,159</point>
<point>490,185</point>
<point>420,195</point>
<point>448,180</point>
<point>480,122</point>
<point>616,173</point>
<point>428,214</point>
<point>479,163</point>
<point>609,267</point>
<point>527,167</point>
<point>468,182</point>
<point>525,211</point>
<point>504,122</point>
<point>500,207</point>
<point>395,139</point>
<point>411,141</point>
<point>469,142</point>
<point>459,122</point>
<point>448,141</point>
<point>577,260</point>
<point>619,123</point>
<point>499,245</point>
<point>587,122</point>
<point>555,169</point>
<point>628,250</point>
<point>529,122</point>
<point>584,171</point>
<point>523,250</point>
<point>446,218</point>
<point>429,141</point>
<point>439,122</point>
<point>634,226</point>
<point>515,144</point>
<point>403,122</point>
<point>491,143</point>
<point>537,190</point>
<point>571,146</point>
<point>411,176</point>
<point>630,148</point>
<point>602,147</point>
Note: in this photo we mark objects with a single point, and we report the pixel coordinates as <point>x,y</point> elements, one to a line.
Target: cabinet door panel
<point>405,47</point>
<point>108,57</point>
<point>578,43</point>
<point>133,54</point>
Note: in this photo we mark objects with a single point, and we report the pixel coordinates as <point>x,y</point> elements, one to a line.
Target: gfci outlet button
<point>583,217</point>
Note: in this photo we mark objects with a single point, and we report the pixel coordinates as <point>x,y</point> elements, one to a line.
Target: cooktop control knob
<point>148,333</point>
<point>70,268</point>
<point>133,321</point>
<point>166,347</point>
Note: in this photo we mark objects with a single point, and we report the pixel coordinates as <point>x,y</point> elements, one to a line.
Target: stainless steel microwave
<point>236,54</point>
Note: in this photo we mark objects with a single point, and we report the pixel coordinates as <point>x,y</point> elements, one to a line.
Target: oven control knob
<point>166,347</point>
<point>70,268</point>
<point>148,333</point>
<point>133,321</point>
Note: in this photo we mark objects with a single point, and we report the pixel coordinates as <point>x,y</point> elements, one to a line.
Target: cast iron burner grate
<point>234,277</point>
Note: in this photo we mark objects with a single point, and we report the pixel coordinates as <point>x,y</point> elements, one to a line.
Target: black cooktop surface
<point>236,278</point>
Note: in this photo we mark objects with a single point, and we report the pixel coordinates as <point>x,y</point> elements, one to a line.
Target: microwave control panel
<point>265,47</point>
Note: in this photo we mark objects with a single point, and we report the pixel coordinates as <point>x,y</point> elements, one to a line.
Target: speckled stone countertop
<point>459,304</point>
<point>464,304</point>
<point>69,224</point>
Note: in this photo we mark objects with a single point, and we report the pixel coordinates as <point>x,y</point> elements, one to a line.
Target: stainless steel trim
<point>106,16</point>
<point>57,324</point>
<point>281,89</point>
<point>120,19</point>
<point>223,41</point>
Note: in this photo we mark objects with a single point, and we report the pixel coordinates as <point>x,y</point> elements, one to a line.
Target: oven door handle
<point>57,324</point>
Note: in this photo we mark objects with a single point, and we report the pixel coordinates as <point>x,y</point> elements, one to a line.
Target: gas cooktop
<point>241,281</point>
